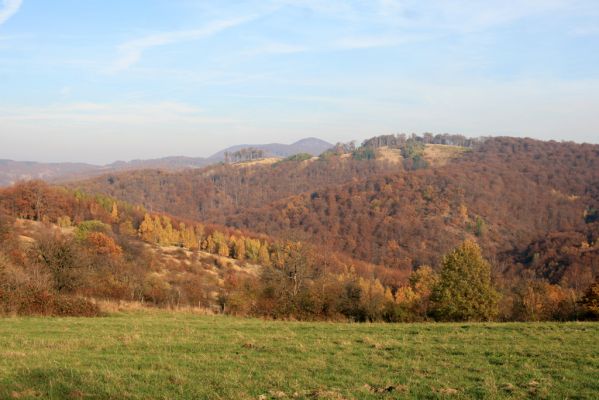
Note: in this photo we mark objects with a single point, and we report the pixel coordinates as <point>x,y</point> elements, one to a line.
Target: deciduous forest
<point>399,228</point>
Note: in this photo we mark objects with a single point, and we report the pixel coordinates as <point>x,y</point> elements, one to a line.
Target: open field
<point>160,355</point>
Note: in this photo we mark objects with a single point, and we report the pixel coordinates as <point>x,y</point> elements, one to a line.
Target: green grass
<point>165,356</point>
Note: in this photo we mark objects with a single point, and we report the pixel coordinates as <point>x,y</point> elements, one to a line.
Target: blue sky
<point>98,81</point>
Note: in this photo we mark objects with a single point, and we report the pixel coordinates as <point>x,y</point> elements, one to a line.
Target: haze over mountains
<point>13,171</point>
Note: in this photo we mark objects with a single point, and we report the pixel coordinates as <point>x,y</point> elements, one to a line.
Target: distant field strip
<point>159,355</point>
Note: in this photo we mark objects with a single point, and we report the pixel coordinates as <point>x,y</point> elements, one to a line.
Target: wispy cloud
<point>109,113</point>
<point>339,9</point>
<point>132,51</point>
<point>468,16</point>
<point>276,48</point>
<point>374,41</point>
<point>9,8</point>
<point>338,44</point>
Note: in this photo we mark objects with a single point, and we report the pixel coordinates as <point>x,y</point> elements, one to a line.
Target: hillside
<point>213,193</point>
<point>13,171</point>
<point>395,208</point>
<point>358,233</point>
<point>59,249</point>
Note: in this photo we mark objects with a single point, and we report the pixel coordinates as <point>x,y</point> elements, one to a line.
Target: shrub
<point>74,307</point>
<point>61,258</point>
<point>84,228</point>
<point>99,243</point>
<point>364,153</point>
<point>6,226</point>
<point>30,292</point>
<point>590,300</point>
<point>299,157</point>
<point>64,221</point>
<point>538,300</point>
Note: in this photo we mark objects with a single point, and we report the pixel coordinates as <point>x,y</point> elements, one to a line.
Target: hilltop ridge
<point>12,171</point>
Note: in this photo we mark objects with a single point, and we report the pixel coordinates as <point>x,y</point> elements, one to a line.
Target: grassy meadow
<point>161,355</point>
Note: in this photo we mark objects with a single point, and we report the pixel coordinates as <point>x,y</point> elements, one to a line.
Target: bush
<point>100,243</point>
<point>6,226</point>
<point>67,306</point>
<point>299,157</point>
<point>590,301</point>
<point>30,292</point>
<point>86,227</point>
<point>62,259</point>
<point>538,300</point>
<point>364,153</point>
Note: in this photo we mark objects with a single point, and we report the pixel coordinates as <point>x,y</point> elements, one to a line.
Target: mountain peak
<point>310,145</point>
<point>311,140</point>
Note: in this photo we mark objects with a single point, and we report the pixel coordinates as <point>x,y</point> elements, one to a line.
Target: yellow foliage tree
<point>188,237</point>
<point>264,256</point>
<point>147,230</point>
<point>220,241</point>
<point>238,246</point>
<point>372,298</point>
<point>210,245</point>
<point>252,249</point>
<point>126,228</point>
<point>114,214</point>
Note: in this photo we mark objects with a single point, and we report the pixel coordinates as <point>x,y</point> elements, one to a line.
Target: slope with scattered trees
<point>359,236</point>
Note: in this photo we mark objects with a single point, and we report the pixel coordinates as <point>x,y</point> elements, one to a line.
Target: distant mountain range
<point>12,171</point>
<point>312,146</point>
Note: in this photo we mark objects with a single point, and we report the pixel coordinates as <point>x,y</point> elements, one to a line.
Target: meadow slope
<point>158,355</point>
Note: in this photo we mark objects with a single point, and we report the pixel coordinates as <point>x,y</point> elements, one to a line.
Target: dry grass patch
<point>439,154</point>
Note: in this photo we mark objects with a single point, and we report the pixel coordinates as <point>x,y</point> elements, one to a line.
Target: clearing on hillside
<point>440,154</point>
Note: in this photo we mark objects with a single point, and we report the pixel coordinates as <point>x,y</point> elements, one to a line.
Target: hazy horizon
<point>98,82</point>
<point>169,155</point>
<point>357,141</point>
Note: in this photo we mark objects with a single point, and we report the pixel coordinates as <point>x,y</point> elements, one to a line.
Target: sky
<point>103,80</point>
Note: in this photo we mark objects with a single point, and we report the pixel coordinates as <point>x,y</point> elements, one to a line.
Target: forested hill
<point>360,232</point>
<point>213,193</point>
<point>60,248</point>
<point>507,192</point>
<point>397,202</point>
<point>14,171</point>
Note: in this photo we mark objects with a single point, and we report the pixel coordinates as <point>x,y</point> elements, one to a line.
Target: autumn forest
<point>399,228</point>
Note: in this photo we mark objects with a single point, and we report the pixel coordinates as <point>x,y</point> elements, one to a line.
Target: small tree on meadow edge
<point>464,291</point>
<point>590,300</point>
